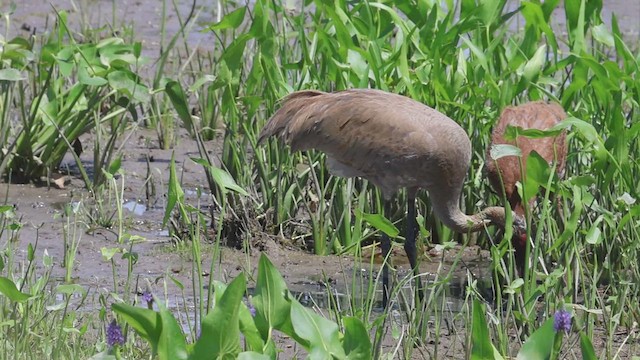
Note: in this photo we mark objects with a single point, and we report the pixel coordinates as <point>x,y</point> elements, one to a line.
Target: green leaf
<point>247,326</point>
<point>322,334</point>
<point>594,235</point>
<point>175,195</point>
<point>109,253</point>
<point>179,101</point>
<point>125,82</point>
<point>379,222</point>
<point>588,353</point>
<point>221,177</point>
<point>533,67</point>
<point>575,12</point>
<point>250,355</point>
<point>602,35</point>
<point>84,77</point>
<point>146,322</point>
<point>481,346</point>
<point>230,21</point>
<point>70,289</point>
<point>479,54</point>
<point>232,55</point>
<point>220,335</point>
<point>490,10</point>
<point>115,165</point>
<point>8,288</point>
<point>272,309</point>
<point>512,132</point>
<point>105,355</point>
<point>10,74</point>
<point>538,172</point>
<point>272,302</point>
<point>498,151</point>
<point>171,345</point>
<point>356,343</point>
<point>540,344</point>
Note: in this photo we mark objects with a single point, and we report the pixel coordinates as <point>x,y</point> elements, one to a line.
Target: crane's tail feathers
<point>292,105</point>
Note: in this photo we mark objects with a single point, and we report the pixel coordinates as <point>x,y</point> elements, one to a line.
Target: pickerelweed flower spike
<point>114,334</point>
<point>562,321</point>
<point>147,297</point>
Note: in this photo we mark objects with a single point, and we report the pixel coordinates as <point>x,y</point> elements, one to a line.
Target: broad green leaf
<point>179,101</point>
<point>70,289</point>
<point>356,342</point>
<point>272,308</point>
<point>602,35</point>
<point>512,132</point>
<point>220,334</point>
<point>171,344</point>
<point>322,334</point>
<point>481,346</point>
<point>588,353</point>
<point>86,78</point>
<point>272,302</point>
<point>540,344</point>
<point>538,173</point>
<point>533,67</point>
<point>250,355</point>
<point>247,325</point>
<point>221,177</point>
<point>575,12</point>
<point>479,54</point>
<point>490,10</point>
<point>232,55</point>
<point>147,323</point>
<point>632,213</point>
<point>114,167</point>
<point>109,253</point>
<point>10,74</point>
<point>65,60</point>
<point>380,222</point>
<point>498,151</point>
<point>125,82</point>
<point>8,288</point>
<point>231,20</point>
<point>594,235</point>
<point>105,355</point>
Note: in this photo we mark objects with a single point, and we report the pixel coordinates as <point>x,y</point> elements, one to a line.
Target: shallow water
<point>42,209</point>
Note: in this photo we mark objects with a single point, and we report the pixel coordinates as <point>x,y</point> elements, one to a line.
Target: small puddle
<point>135,207</point>
<point>315,294</point>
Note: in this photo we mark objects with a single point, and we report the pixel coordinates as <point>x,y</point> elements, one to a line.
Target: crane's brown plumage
<point>391,140</point>
<point>506,170</point>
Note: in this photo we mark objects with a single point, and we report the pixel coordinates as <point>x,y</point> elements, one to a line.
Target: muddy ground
<point>40,207</point>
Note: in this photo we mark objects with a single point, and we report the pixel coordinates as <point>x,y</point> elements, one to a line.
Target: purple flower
<point>562,321</point>
<point>148,298</point>
<point>114,334</point>
<point>252,310</point>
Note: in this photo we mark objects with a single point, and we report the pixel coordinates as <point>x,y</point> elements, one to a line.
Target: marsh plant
<point>465,58</point>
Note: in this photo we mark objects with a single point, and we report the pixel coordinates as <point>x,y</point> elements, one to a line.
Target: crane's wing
<point>390,139</point>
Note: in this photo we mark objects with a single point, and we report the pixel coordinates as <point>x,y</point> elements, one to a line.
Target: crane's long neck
<point>448,210</point>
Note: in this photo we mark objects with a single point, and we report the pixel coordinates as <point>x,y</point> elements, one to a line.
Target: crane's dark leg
<point>410,239</point>
<point>385,244</point>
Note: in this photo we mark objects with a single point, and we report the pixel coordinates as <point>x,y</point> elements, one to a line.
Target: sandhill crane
<point>394,142</point>
<point>506,170</point>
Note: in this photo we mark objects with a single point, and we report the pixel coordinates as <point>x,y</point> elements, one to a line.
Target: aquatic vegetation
<point>63,92</point>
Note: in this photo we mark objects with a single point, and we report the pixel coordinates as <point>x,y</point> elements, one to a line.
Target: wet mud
<point>43,210</point>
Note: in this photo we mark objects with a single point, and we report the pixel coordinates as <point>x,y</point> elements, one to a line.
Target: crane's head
<point>519,236</point>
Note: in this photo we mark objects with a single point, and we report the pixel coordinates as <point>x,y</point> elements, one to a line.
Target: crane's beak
<point>519,223</point>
